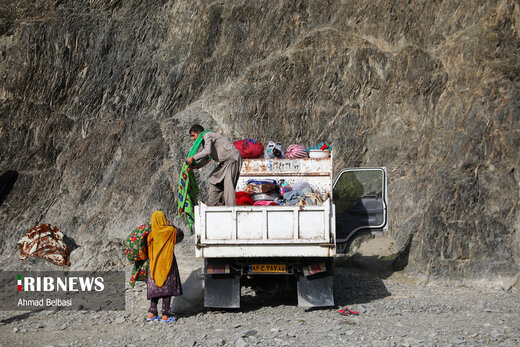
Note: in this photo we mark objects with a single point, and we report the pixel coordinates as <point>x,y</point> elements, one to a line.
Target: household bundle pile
<point>279,193</point>
<point>46,242</point>
<point>301,194</point>
<point>250,149</point>
<point>263,192</point>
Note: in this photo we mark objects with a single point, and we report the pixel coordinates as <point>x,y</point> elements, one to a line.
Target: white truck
<point>246,245</point>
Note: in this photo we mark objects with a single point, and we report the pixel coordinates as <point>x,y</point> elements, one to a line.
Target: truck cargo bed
<point>265,231</point>
<point>271,231</point>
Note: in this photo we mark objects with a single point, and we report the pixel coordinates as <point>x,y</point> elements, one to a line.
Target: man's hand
<point>190,161</point>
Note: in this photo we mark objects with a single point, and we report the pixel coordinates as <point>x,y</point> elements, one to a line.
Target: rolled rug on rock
<point>45,242</point>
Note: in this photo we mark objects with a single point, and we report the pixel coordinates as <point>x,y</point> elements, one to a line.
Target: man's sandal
<point>347,311</point>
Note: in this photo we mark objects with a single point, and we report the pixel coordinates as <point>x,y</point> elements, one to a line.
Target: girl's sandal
<point>151,319</point>
<point>170,319</point>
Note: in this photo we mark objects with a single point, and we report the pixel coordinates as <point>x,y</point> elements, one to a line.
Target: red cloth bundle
<point>244,199</point>
<point>249,148</point>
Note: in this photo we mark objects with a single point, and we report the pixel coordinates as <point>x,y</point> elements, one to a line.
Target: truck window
<point>360,199</point>
<point>351,186</point>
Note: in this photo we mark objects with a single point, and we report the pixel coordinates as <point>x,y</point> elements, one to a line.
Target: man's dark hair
<point>196,128</point>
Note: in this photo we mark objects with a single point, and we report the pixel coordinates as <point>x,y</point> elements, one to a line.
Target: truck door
<point>360,198</point>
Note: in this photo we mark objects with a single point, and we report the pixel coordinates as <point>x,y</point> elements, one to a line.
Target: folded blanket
<point>316,198</point>
<point>293,197</point>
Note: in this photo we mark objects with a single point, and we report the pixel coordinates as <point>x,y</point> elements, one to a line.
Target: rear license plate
<point>267,268</point>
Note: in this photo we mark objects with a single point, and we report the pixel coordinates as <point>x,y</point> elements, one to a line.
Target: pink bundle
<point>265,203</point>
<point>296,151</point>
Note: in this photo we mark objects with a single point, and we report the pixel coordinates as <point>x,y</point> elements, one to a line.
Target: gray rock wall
<point>97,97</point>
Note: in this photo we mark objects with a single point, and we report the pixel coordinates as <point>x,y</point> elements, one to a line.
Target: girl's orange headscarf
<point>161,243</point>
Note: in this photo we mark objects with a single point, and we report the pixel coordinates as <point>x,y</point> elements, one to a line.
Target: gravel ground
<point>392,312</point>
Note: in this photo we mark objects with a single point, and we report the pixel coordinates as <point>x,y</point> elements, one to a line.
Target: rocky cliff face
<point>97,97</point>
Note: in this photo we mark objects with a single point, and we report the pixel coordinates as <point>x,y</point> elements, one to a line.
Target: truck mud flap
<point>316,291</point>
<point>222,291</point>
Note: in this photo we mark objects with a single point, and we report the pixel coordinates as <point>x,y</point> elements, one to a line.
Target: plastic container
<point>319,154</point>
<point>264,196</point>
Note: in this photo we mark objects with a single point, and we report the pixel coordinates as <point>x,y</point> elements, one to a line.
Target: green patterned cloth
<point>136,243</point>
<point>139,272</point>
<point>188,188</point>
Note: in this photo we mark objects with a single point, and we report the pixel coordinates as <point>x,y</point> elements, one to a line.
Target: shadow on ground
<point>19,317</point>
<point>357,286</point>
<point>358,279</point>
<point>352,285</point>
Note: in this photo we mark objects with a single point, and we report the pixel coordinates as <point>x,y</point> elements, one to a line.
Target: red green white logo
<point>57,284</point>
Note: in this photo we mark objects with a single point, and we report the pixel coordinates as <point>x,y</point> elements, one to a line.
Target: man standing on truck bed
<point>224,177</point>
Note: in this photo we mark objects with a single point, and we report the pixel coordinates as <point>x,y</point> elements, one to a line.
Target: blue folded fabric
<point>291,198</point>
